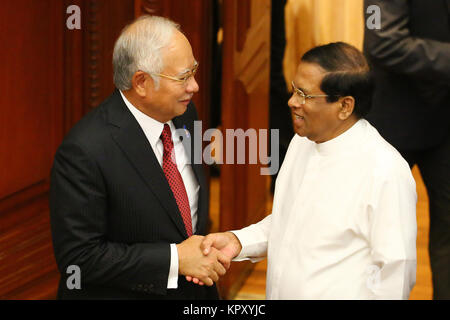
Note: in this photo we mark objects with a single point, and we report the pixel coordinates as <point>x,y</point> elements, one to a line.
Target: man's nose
<point>192,85</point>
<point>293,103</point>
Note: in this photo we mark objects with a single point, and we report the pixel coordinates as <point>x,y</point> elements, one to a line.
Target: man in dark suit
<point>410,56</point>
<point>127,205</point>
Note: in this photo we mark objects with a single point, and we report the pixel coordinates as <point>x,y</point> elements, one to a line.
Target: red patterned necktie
<point>174,178</point>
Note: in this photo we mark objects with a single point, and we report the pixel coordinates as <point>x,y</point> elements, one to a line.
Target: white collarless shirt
<point>343,223</point>
<point>152,130</point>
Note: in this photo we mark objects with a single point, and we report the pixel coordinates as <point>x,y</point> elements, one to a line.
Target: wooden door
<point>245,105</point>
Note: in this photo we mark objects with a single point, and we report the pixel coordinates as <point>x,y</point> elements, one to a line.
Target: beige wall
<point>313,22</point>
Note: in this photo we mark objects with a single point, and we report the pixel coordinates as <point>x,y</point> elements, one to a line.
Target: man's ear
<point>140,81</point>
<point>347,105</point>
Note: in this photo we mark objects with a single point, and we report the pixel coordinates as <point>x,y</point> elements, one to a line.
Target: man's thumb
<point>206,244</point>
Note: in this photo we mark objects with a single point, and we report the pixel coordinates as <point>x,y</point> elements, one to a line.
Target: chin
<point>180,109</point>
<point>183,109</point>
<point>299,132</point>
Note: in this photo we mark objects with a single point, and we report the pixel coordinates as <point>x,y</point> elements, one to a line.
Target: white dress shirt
<point>152,130</point>
<point>343,223</point>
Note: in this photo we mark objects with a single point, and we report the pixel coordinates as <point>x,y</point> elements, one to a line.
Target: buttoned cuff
<point>250,250</point>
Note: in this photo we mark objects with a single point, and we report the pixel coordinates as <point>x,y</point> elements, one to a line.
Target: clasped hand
<point>203,259</point>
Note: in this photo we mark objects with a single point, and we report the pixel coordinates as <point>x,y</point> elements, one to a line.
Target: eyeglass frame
<point>304,96</point>
<point>189,74</point>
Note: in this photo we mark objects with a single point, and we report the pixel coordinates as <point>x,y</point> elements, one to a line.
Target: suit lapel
<point>133,142</point>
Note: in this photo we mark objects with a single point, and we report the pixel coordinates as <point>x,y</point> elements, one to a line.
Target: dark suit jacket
<point>113,213</point>
<point>410,57</point>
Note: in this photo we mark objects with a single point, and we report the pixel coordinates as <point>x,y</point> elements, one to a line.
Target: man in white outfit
<point>343,224</point>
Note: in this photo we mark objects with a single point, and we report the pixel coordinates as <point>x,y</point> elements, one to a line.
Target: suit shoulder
<point>92,129</point>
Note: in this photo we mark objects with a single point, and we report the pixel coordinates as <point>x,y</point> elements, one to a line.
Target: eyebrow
<point>298,87</point>
<point>187,69</point>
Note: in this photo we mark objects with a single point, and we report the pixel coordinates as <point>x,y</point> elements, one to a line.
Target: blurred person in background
<point>410,58</point>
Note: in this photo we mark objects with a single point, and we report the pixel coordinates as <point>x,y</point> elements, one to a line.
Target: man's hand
<point>226,242</point>
<point>205,268</point>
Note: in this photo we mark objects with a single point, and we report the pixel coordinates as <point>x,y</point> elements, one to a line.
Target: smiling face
<point>171,98</point>
<point>317,119</point>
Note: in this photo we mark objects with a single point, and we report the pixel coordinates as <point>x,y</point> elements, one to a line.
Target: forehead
<point>178,54</point>
<point>309,75</point>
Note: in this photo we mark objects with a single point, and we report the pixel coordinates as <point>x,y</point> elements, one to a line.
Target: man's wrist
<point>236,240</point>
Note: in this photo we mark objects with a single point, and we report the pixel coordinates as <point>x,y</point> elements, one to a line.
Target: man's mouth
<point>185,100</point>
<point>296,116</point>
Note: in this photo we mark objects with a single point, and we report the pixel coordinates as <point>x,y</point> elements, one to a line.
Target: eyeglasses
<point>304,96</point>
<point>182,79</point>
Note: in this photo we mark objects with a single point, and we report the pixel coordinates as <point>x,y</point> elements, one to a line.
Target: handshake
<point>203,259</point>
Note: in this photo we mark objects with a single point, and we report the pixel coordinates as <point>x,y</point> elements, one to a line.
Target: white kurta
<point>343,223</point>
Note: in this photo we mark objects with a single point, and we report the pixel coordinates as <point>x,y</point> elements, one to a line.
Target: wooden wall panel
<point>245,98</point>
<point>252,69</point>
<point>73,71</point>
<point>30,116</point>
<point>88,54</point>
<point>31,123</point>
<point>51,76</point>
<point>104,20</point>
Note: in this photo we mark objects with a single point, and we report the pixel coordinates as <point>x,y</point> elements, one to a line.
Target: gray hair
<point>139,48</point>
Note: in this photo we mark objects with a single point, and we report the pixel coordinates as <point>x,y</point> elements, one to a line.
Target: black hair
<point>348,74</point>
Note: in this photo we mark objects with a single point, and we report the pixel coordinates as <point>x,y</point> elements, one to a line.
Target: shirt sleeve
<point>172,282</point>
<point>254,239</point>
<point>393,231</point>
